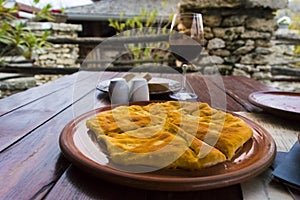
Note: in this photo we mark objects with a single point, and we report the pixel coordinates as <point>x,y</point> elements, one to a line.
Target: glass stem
<point>183,84</point>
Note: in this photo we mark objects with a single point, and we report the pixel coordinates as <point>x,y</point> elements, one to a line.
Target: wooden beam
<point>285,71</point>
<point>51,70</point>
<point>110,40</point>
<point>288,39</point>
<point>37,70</point>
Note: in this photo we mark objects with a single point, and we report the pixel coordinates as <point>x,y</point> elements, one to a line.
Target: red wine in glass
<point>185,53</point>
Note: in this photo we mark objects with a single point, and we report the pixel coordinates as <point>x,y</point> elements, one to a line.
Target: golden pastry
<point>170,134</point>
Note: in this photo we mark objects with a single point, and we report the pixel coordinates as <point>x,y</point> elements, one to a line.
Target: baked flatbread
<point>171,134</point>
<point>217,128</point>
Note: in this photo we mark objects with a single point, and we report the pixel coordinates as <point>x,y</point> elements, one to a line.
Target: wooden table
<point>33,167</point>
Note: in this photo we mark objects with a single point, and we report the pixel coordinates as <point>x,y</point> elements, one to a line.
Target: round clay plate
<point>282,104</point>
<point>253,158</point>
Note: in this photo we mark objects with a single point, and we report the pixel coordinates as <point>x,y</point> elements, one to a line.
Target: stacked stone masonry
<point>239,34</point>
<point>58,55</point>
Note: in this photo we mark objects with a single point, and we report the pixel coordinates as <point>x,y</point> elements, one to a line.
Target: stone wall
<point>239,34</point>
<point>58,55</point>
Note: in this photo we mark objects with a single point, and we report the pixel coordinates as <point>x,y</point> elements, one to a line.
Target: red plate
<point>284,104</point>
<point>254,157</point>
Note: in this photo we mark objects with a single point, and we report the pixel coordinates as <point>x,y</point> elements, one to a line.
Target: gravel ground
<point>285,86</point>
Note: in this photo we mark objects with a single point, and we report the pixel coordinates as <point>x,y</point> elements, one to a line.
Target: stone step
<point>11,83</point>
<point>17,83</point>
<point>5,76</point>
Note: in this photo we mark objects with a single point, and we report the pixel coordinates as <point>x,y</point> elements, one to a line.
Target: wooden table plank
<point>285,134</point>
<point>33,165</point>
<point>223,92</point>
<point>233,87</point>
<point>20,99</point>
<point>94,188</point>
<point>210,90</point>
<point>207,89</point>
<point>36,161</point>
<point>231,192</point>
<point>73,180</point>
<point>76,184</point>
<point>22,121</point>
<point>31,161</point>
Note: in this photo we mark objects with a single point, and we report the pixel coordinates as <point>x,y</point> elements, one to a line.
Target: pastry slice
<point>183,107</point>
<point>161,150</point>
<point>222,130</point>
<point>123,118</point>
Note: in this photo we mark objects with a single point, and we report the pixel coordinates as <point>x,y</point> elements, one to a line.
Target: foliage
<point>44,14</point>
<point>296,26</point>
<point>146,23</point>
<point>15,37</point>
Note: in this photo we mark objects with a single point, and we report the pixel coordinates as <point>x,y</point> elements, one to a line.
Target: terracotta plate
<point>284,104</point>
<point>253,158</point>
<point>173,85</point>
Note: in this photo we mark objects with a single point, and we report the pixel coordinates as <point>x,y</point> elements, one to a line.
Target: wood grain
<point>75,180</point>
<point>208,90</point>
<point>285,134</point>
<point>214,86</point>
<point>239,88</point>
<point>32,166</point>
<point>22,121</point>
<point>18,100</point>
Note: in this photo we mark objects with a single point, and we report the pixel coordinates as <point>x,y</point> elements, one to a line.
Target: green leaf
<point>6,40</point>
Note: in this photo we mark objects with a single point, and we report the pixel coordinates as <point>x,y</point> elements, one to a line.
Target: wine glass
<point>185,39</point>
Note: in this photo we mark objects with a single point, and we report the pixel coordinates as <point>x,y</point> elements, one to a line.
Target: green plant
<point>44,14</point>
<point>146,23</point>
<point>295,25</point>
<point>15,37</point>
